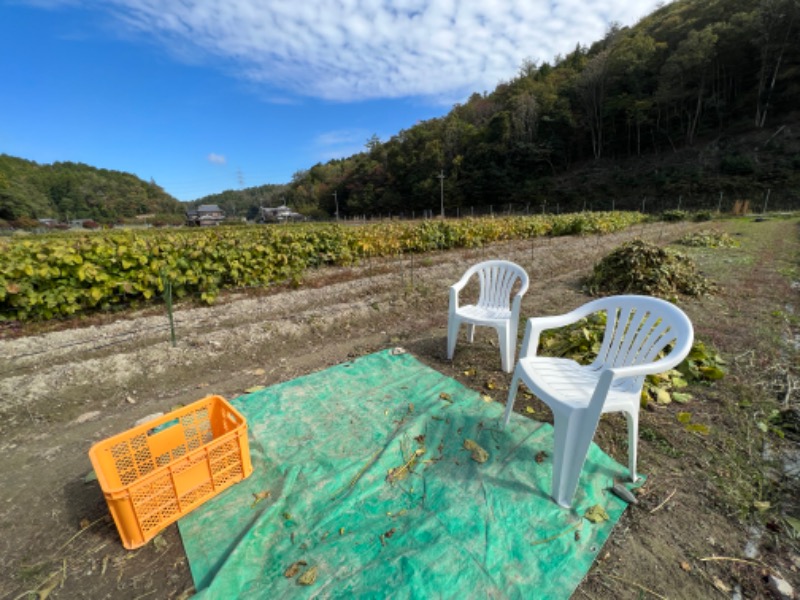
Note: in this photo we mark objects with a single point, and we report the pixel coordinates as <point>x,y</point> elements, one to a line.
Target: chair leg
<point>512,396</point>
<point>633,440</point>
<point>570,446</point>
<point>452,336</point>
<point>506,348</point>
<point>471,332</point>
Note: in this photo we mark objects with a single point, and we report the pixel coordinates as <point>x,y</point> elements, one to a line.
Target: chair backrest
<point>497,279</point>
<point>638,329</point>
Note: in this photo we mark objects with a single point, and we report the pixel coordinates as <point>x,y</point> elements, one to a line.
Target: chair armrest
<point>454,298</point>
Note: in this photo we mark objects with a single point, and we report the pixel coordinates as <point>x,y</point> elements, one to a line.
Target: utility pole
<point>441,181</point>
<point>336,203</point>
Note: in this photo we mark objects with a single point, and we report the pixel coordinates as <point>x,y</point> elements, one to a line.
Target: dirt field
<point>711,522</point>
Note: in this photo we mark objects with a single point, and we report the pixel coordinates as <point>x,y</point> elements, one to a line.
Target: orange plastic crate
<point>159,471</point>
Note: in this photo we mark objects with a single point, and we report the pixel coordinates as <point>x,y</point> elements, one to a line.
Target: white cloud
<point>365,49</point>
<point>217,159</point>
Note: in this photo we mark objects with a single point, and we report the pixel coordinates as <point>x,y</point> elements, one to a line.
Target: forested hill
<point>66,190</point>
<point>693,103</point>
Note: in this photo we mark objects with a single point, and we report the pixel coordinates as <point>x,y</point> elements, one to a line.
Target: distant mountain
<point>67,190</point>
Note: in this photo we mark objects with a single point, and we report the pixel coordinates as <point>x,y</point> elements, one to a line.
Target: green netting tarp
<point>361,472</point>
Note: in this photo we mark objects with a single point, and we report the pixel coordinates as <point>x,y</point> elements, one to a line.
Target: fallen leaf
<point>159,542</point>
<point>446,397</point>
<point>309,577</point>
<point>721,585</point>
<point>470,372</point>
<point>540,456</point>
<point>684,417</point>
<point>681,397</point>
<point>259,372</point>
<point>85,523</point>
<point>662,396</point>
<point>294,569</point>
<point>255,388</point>
<point>487,398</point>
<point>90,477</point>
<point>761,506</point>
<point>529,410</point>
<point>686,566</point>
<point>596,514</point>
<point>479,455</point>
<point>259,496</point>
<point>490,384</point>
<point>698,428</point>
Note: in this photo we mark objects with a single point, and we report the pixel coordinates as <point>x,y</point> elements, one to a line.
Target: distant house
<point>278,214</point>
<point>206,214</point>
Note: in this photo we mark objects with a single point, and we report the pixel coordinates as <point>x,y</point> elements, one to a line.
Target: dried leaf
<point>529,410</point>
<point>487,398</point>
<point>471,372</point>
<point>490,384</point>
<point>294,569</point>
<point>596,514</point>
<point>259,496</point>
<point>540,456</point>
<point>721,585</point>
<point>761,506</point>
<point>686,566</point>
<point>255,388</point>
<point>446,397</point>
<point>309,577</point>
<point>698,428</point>
<point>684,417</point>
<point>663,396</point>
<point>478,454</point>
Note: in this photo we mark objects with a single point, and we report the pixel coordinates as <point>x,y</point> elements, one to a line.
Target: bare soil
<point>711,518</point>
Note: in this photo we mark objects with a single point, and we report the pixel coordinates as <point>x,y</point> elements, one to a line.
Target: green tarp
<point>361,472</point>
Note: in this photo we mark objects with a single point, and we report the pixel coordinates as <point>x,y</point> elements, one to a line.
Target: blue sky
<point>208,95</point>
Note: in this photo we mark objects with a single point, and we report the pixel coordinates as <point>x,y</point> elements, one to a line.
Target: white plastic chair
<point>637,329</point>
<point>495,307</point>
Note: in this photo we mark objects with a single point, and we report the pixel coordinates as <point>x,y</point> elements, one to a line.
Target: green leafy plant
<point>708,238</point>
<point>59,275</point>
<point>581,343</point>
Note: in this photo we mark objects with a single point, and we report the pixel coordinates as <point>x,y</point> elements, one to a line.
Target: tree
<point>591,87</point>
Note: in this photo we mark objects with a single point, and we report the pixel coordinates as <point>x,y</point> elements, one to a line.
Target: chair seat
<point>573,384</point>
<point>480,314</point>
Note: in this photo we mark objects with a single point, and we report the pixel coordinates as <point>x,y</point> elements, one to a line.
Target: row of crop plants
<point>64,274</point>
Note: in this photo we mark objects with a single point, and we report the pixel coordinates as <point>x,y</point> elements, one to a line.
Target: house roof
<point>209,208</point>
